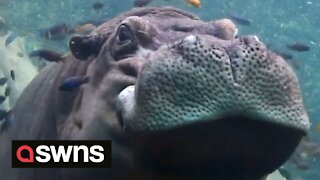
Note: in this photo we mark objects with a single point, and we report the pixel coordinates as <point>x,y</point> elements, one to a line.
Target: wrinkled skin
<point>204,105</point>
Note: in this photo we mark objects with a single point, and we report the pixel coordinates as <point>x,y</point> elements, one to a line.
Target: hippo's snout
<point>222,106</point>
<point>203,78</point>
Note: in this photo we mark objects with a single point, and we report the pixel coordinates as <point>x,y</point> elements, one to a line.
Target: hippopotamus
<point>180,98</point>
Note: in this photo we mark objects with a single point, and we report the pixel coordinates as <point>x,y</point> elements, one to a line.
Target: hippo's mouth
<point>233,146</point>
<point>231,107</point>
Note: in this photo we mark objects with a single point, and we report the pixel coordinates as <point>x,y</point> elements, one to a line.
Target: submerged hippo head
<point>179,97</point>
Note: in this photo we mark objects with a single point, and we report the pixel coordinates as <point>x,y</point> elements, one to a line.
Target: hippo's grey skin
<point>204,105</point>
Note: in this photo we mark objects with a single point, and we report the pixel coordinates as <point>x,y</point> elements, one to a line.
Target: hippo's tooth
<point>125,103</point>
<point>256,38</point>
<point>190,39</point>
<point>236,32</point>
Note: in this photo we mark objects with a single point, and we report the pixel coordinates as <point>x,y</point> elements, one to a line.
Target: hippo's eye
<point>124,34</point>
<point>125,42</point>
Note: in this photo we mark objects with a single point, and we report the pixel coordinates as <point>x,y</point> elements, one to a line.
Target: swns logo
<point>61,154</point>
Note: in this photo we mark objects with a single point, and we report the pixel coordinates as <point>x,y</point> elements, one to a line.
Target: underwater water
<point>276,23</point>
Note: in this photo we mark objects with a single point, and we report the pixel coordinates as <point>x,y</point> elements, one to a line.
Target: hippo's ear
<point>82,47</point>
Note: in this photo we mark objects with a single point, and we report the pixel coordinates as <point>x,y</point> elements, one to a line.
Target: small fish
<point>97,5</point>
<point>141,3</point>
<point>298,47</point>
<point>11,38</point>
<point>2,98</point>
<point>56,32</point>
<point>3,81</point>
<point>7,91</point>
<point>285,55</point>
<point>3,27</point>
<point>13,75</point>
<point>239,20</point>
<point>49,55</point>
<point>6,121</point>
<point>73,83</point>
<point>195,3</point>
<point>84,29</point>
<point>3,114</point>
<point>296,64</point>
<point>302,166</point>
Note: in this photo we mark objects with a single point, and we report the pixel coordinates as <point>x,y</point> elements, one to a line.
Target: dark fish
<point>7,91</point>
<point>13,76</point>
<point>239,20</point>
<point>302,166</point>
<point>97,5</point>
<point>2,98</point>
<point>11,38</point>
<point>298,47</point>
<point>73,83</point>
<point>48,55</point>
<point>141,3</point>
<point>295,64</point>
<point>7,121</point>
<point>285,55</point>
<point>56,32</point>
<point>3,80</point>
<point>3,114</point>
<point>3,26</point>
